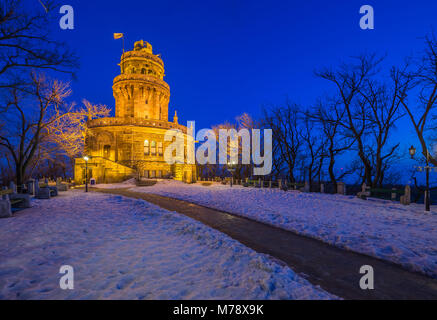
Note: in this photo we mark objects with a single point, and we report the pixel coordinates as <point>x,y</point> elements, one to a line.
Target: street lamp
<point>412,151</point>
<point>427,168</point>
<point>231,169</point>
<point>86,158</point>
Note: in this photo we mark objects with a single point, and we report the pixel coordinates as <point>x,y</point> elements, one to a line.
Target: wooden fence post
<point>322,188</point>
<point>280,184</point>
<point>393,194</point>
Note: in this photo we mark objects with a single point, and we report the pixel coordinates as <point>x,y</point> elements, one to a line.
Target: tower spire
<point>175,118</point>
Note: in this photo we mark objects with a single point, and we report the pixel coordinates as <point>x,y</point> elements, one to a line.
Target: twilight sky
<point>223,58</point>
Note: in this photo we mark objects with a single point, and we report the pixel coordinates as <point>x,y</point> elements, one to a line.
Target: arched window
<point>160,148</point>
<point>146,147</point>
<point>106,151</point>
<point>153,147</point>
<point>143,71</point>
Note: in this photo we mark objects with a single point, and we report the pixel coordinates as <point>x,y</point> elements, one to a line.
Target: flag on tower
<point>118,36</point>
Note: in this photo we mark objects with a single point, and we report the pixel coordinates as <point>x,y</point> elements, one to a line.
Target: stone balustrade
<point>107,122</point>
<point>141,77</point>
<point>142,54</point>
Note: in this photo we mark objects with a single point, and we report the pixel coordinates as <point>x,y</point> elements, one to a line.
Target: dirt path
<point>334,269</point>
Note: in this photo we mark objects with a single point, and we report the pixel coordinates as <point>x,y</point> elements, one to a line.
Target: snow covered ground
<point>122,248</point>
<point>384,229</point>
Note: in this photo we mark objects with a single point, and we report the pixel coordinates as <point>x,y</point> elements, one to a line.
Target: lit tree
<point>68,131</point>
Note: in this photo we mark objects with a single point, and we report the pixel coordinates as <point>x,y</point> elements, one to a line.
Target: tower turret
<point>140,91</point>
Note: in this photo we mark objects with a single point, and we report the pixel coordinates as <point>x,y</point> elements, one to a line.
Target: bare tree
<point>285,124</point>
<point>349,80</point>
<point>329,115</point>
<point>243,121</point>
<point>28,113</point>
<point>421,111</point>
<point>314,151</point>
<point>25,42</point>
<point>371,110</point>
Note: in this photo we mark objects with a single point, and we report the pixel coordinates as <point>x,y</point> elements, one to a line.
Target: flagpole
<point>118,36</point>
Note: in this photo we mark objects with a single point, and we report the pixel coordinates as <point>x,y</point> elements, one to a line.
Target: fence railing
<point>405,194</point>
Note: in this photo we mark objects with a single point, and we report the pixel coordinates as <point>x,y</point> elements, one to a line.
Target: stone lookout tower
<point>140,91</point>
<point>132,143</point>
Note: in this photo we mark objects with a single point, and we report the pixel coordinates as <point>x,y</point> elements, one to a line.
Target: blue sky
<point>223,58</point>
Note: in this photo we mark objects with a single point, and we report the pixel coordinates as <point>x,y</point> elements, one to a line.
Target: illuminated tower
<point>140,91</point>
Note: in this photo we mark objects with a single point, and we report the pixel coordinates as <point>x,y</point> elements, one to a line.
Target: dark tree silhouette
<point>26,43</point>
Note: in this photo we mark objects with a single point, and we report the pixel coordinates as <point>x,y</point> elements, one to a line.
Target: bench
<point>52,190</point>
<point>13,200</point>
<point>9,199</point>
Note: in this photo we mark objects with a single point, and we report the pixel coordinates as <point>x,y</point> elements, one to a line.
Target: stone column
<point>31,187</point>
<point>306,187</point>
<point>341,188</point>
<point>13,187</point>
<point>36,186</point>
<point>407,196</point>
<point>393,194</point>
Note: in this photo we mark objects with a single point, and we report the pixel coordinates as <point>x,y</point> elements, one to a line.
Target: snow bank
<point>401,234</point>
<point>122,248</point>
<point>125,184</point>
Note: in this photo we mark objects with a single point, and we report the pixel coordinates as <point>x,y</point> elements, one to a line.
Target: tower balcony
<point>114,121</point>
<point>141,55</point>
<point>141,78</point>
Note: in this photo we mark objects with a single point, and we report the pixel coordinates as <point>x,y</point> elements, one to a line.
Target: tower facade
<point>132,143</point>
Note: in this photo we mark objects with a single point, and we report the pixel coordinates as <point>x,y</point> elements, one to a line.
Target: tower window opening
<point>160,148</point>
<point>146,147</point>
<point>106,151</point>
<point>153,147</point>
<point>143,71</point>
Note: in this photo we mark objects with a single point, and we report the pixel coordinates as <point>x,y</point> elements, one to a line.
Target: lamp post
<point>231,169</point>
<point>427,168</point>
<point>86,158</point>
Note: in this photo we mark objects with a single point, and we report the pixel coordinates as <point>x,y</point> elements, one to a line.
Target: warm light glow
<point>412,151</point>
<point>86,158</point>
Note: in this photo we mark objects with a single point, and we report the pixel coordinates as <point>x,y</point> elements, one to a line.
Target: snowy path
<point>122,248</point>
<point>400,234</point>
<point>334,269</point>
